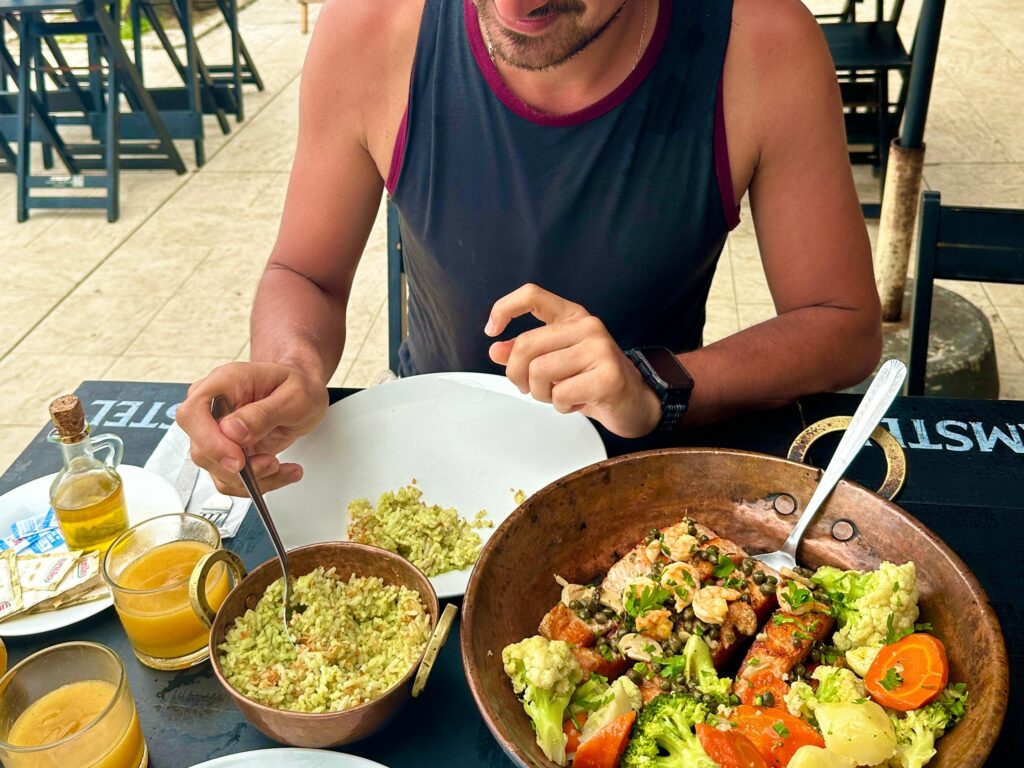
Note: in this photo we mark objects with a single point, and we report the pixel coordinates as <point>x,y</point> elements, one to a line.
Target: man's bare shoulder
<point>366,36</point>
<point>772,37</point>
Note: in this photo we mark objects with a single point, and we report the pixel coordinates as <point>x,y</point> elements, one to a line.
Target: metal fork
<point>869,413</point>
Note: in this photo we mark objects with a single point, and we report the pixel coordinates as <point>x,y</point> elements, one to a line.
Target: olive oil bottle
<point>87,495</point>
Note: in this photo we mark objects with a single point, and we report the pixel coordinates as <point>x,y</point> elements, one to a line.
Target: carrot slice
<point>909,673</point>
<point>572,733</point>
<point>775,732</point>
<point>730,749</point>
<point>604,748</point>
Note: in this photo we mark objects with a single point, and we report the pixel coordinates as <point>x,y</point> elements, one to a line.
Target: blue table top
<point>966,467</point>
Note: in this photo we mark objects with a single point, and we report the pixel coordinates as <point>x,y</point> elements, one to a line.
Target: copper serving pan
<point>580,525</point>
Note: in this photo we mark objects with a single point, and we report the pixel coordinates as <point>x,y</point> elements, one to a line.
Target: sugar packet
<point>22,529</point>
<point>10,588</point>
<point>83,583</point>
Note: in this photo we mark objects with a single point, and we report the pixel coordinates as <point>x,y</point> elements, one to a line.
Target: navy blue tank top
<point>622,207</point>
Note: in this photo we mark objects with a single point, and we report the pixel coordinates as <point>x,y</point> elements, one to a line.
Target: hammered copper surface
<point>579,525</point>
<point>330,729</point>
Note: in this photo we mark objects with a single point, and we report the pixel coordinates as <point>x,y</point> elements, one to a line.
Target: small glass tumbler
<point>70,705</point>
<point>148,569</point>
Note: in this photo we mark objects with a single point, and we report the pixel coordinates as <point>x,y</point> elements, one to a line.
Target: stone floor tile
<point>1011,387</point>
<point>18,315</point>
<point>156,272</point>
<point>29,382</point>
<point>152,368</point>
<point>722,320</point>
<point>229,273</point>
<point>997,185</point>
<point>1005,295</point>
<point>750,282</point>
<point>90,325</point>
<point>210,327</point>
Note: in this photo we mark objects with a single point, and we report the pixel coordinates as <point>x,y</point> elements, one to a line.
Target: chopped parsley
<point>893,635</point>
<point>734,583</point>
<point>892,680</point>
<point>724,568</point>
<point>778,619</point>
<point>649,598</point>
<point>781,729</point>
<point>797,595</point>
<point>753,661</point>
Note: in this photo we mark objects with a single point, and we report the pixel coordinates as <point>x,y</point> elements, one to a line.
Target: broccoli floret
<point>871,608</point>
<point>836,685</point>
<point>663,735</point>
<point>700,671</point>
<point>545,673</point>
<point>918,729</point>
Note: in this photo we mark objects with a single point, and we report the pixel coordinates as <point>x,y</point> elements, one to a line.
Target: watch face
<point>668,367</point>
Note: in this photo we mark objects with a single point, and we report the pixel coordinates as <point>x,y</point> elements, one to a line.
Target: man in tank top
<point>566,173</point>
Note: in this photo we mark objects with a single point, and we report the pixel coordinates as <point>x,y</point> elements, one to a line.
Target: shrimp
<point>711,604</point>
<point>683,580</point>
<point>680,545</point>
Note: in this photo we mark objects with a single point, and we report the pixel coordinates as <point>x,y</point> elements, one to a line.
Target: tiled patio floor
<point>164,293</point>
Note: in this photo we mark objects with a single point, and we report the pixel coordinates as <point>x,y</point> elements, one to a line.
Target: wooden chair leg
<point>304,22</point>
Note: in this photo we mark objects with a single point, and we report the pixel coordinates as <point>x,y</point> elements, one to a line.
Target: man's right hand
<point>274,405</point>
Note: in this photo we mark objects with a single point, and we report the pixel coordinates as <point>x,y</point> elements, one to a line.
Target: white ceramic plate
<point>469,440</point>
<point>146,495</point>
<point>289,758</point>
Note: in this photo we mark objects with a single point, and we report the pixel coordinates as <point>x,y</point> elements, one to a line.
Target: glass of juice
<point>148,569</point>
<point>70,705</point>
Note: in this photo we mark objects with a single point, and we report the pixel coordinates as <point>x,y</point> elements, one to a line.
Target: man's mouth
<point>535,22</point>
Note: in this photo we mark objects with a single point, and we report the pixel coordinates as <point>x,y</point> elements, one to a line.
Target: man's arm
<point>781,96</point>
<point>298,318</point>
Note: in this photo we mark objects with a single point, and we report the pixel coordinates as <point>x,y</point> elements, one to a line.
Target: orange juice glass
<point>148,569</point>
<point>70,705</point>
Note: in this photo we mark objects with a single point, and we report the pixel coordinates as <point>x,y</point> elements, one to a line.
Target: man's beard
<point>545,51</point>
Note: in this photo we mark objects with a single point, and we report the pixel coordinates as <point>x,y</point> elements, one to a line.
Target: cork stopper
<point>68,416</point>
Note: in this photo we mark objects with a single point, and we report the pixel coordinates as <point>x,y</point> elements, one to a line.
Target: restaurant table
<point>965,480</point>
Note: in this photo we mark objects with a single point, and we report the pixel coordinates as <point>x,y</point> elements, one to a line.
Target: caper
<point>768,699</point>
<point>714,632</point>
<point>748,566</point>
<point>745,598</point>
<point>688,625</point>
<point>767,588</point>
<point>594,605</point>
<point>634,676</point>
<point>688,612</point>
<point>712,552</point>
<point>815,655</point>
<point>678,687</point>
<point>691,529</point>
<point>703,538</point>
<point>600,618</point>
<point>584,613</point>
<point>675,645</point>
<point>665,685</point>
<point>800,670</point>
<point>575,605</point>
<point>734,700</point>
<point>758,578</point>
<point>772,580</point>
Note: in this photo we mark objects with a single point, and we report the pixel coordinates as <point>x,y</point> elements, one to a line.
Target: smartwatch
<point>671,382</point>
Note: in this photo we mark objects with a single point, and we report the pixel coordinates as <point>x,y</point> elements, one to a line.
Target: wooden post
<point>304,20</point>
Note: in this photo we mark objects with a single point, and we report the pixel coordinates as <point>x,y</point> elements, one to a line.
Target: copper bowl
<point>328,729</point>
<point>580,525</point>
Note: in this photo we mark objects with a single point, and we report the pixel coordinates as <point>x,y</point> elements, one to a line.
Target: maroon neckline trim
<point>595,110</point>
<point>723,169</point>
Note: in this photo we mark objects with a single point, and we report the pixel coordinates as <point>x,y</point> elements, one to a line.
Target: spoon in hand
<point>869,413</point>
<point>220,408</point>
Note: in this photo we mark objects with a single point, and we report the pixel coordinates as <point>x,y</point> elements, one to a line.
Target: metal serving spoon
<point>869,413</point>
<point>220,408</point>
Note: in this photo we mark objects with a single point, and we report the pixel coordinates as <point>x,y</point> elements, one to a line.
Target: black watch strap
<point>668,378</point>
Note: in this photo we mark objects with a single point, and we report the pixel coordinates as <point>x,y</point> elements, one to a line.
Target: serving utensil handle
<point>197,581</point>
<point>883,390</point>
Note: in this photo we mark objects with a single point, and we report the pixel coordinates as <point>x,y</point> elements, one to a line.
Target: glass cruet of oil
<point>87,495</point>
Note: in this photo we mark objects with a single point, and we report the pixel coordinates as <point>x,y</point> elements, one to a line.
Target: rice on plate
<point>354,639</point>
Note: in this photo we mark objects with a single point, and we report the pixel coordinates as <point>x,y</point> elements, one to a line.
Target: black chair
<point>397,289</point>
<point>864,53</point>
<point>975,244</point>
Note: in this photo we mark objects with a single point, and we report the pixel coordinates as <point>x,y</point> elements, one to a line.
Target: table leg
<point>24,117</point>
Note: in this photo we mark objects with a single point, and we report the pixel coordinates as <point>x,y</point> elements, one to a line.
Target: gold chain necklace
<point>639,48</point>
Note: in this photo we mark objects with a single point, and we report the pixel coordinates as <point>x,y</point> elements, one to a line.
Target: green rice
<point>354,640</point>
<point>433,538</point>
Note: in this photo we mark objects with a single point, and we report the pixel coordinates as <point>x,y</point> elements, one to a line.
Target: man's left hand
<point>572,362</point>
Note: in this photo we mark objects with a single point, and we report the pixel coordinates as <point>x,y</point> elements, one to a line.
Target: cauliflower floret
<point>656,624</point>
<point>870,605</point>
<point>836,685</point>
<point>861,659</point>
